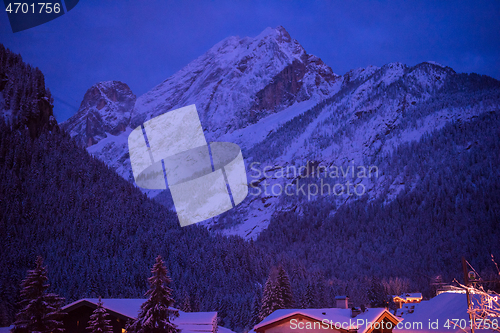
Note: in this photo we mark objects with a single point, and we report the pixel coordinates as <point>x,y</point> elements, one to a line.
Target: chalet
<point>373,320</point>
<point>438,314</point>
<point>121,311</point>
<point>406,298</point>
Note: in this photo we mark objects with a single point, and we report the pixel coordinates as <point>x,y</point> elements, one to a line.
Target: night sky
<point>143,42</point>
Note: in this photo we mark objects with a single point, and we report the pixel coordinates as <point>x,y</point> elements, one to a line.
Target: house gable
<point>384,319</point>
<point>328,320</point>
<point>78,315</point>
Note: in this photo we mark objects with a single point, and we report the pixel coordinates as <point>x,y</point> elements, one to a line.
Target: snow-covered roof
<point>130,307</point>
<point>335,315</point>
<point>445,306</point>
<point>341,297</point>
<point>6,329</point>
<point>408,296</point>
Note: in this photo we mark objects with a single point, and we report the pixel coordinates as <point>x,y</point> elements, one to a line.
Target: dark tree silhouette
<point>98,322</point>
<point>376,294</point>
<point>40,311</point>
<point>272,298</point>
<point>156,314</point>
<point>285,287</point>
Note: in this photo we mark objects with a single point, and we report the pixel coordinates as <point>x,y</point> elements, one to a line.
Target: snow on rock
<point>285,107</point>
<point>240,81</point>
<point>236,83</point>
<point>106,108</point>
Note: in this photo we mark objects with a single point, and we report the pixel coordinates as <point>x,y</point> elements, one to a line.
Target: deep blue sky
<point>143,42</point>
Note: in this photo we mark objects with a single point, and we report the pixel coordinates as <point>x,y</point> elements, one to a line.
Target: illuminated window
<point>124,330</point>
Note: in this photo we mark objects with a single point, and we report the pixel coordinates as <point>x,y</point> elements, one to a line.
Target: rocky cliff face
<point>105,109</point>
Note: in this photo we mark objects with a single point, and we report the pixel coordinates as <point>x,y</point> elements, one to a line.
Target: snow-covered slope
<point>358,127</point>
<point>286,108</point>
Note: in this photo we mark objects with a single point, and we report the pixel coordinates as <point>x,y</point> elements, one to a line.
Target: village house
<point>406,298</point>
<point>340,320</point>
<point>445,313</point>
<point>121,311</point>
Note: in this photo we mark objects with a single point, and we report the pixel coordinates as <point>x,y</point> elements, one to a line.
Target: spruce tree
<point>156,315</point>
<point>40,311</point>
<point>271,296</point>
<point>98,322</point>
<point>285,288</point>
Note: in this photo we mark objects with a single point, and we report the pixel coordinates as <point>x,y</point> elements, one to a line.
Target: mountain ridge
<point>285,107</point>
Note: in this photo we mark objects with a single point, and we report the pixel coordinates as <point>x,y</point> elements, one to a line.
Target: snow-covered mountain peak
<point>279,34</point>
<point>435,63</point>
<point>106,108</point>
<point>395,67</point>
<point>241,80</point>
<point>269,44</point>
<point>360,73</point>
<point>284,107</point>
<point>429,75</point>
<point>392,72</point>
<point>250,77</point>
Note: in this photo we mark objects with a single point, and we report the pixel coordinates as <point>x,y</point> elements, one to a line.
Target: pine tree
<point>40,311</point>
<point>98,322</point>
<point>271,297</point>
<point>156,315</point>
<point>285,288</point>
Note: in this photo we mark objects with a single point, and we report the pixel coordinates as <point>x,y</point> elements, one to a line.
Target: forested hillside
<point>452,211</point>
<point>99,234</point>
